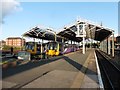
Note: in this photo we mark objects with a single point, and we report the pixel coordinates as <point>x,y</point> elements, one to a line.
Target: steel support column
<point>109,46</point>
<point>105,46</point>
<point>102,46</point>
<point>113,44</point>
<point>41,51</point>
<point>71,41</point>
<point>62,40</point>
<point>83,39</point>
<point>83,45</point>
<point>55,37</point>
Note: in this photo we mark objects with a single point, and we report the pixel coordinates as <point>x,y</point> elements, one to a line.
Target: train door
<point>61,48</point>
<point>57,48</point>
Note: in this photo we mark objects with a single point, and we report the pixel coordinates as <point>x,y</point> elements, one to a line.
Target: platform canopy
<point>92,30</point>
<point>73,32</point>
<point>50,34</point>
<point>70,33</point>
<point>42,33</point>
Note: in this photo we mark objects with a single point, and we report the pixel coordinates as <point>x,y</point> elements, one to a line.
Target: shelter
<point>42,33</point>
<point>82,29</point>
<point>78,31</point>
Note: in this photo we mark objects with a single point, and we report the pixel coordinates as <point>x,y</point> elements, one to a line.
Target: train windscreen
<point>30,46</point>
<point>52,46</point>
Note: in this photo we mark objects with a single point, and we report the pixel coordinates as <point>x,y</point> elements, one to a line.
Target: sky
<point>58,14</point>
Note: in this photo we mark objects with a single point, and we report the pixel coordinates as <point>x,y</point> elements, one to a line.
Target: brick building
<point>15,41</point>
<point>2,43</point>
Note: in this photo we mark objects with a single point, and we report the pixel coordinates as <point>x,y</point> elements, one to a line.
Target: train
<point>58,48</point>
<point>34,47</point>
<point>50,48</point>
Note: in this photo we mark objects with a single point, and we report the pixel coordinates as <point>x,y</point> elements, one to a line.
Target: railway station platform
<point>73,70</point>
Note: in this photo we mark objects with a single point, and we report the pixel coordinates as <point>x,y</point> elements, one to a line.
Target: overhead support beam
<point>113,44</point>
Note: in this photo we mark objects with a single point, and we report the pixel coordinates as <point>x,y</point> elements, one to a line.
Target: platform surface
<point>73,70</point>
<point>86,77</point>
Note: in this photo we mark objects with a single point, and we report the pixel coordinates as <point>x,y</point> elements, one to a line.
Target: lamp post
<point>109,46</point>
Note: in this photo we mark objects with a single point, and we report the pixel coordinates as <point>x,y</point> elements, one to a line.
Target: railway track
<point>109,72</point>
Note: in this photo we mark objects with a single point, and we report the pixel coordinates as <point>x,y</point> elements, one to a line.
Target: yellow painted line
<point>80,76</point>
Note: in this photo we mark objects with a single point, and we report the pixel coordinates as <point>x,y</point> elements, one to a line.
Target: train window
<point>60,47</point>
<point>52,46</point>
<point>29,46</point>
<point>32,47</point>
<point>55,46</point>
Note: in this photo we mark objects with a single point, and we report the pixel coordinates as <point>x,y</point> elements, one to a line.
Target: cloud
<point>8,7</point>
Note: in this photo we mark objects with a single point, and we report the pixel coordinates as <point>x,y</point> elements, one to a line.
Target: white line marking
<point>99,73</point>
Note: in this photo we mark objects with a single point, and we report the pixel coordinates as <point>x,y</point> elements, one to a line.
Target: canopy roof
<point>42,33</point>
<point>69,32</point>
<point>93,31</point>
